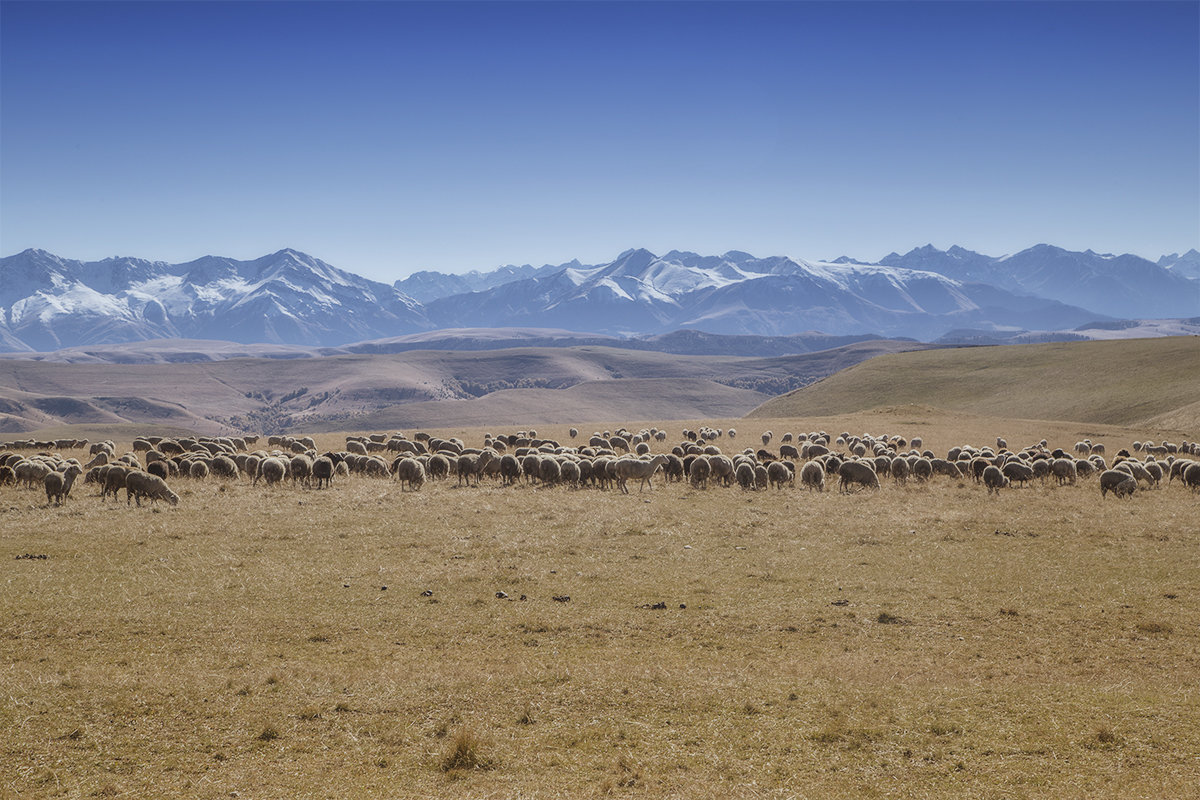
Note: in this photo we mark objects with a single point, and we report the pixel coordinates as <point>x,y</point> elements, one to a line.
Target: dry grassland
<point>915,642</point>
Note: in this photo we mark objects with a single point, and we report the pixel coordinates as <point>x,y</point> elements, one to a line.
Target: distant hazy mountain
<point>1118,286</point>
<point>425,285</point>
<point>737,293</point>
<point>290,298</point>
<point>1187,265</point>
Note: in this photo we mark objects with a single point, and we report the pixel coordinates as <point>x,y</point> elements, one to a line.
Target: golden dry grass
<point>915,642</point>
<point>1121,382</point>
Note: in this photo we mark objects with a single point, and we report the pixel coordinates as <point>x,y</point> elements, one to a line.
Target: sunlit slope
<point>1129,382</point>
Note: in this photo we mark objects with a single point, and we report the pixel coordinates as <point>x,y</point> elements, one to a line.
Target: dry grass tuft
<point>466,753</point>
<point>1154,627</point>
<point>269,734</point>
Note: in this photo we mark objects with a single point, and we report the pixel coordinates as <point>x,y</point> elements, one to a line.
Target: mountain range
<point>290,298</point>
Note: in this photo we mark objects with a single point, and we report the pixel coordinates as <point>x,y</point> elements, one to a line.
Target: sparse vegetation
<point>716,642</point>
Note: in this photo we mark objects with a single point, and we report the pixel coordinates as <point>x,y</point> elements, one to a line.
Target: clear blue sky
<point>390,137</point>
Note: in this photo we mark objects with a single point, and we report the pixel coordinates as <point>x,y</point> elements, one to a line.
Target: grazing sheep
<point>699,471</point>
<point>373,467</point>
<point>922,469</point>
<point>942,466</point>
<point>224,467</point>
<point>322,470</point>
<point>744,475</point>
<point>159,468</point>
<point>812,475</point>
<point>410,471</point>
<point>994,479</point>
<point>1136,469</point>
<point>549,470</point>
<point>628,467</point>
<point>778,474</point>
<point>1063,469</point>
<point>761,478</point>
<point>58,484</point>
<point>272,470</point>
<point>789,451</point>
<point>143,484</point>
<point>900,469</point>
<point>1191,477</point>
<point>1119,482</point>
<point>1016,471</point>
<point>198,470</point>
<point>572,474</point>
<point>510,469</point>
<point>766,438</point>
<point>7,476</point>
<point>853,474</point>
<point>300,469</point>
<point>438,467</point>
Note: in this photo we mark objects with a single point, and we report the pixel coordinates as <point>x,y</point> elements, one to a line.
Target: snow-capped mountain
<point>427,285</point>
<point>640,292</point>
<point>1187,265</point>
<point>1119,286</point>
<point>47,302</point>
<point>288,297</point>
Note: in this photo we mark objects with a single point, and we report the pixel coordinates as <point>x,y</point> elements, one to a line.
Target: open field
<point>920,641</point>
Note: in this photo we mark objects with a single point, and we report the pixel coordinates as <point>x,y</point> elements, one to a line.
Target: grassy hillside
<point>1133,382</point>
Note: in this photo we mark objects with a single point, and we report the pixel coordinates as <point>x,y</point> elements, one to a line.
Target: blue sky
<point>390,137</point>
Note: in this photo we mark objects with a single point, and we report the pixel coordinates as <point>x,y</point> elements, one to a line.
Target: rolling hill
<point>269,395</point>
<point>1151,382</point>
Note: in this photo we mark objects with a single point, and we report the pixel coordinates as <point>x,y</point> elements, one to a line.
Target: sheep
<point>1119,482</point>
<point>549,470</point>
<point>994,479</point>
<point>778,474</point>
<point>1191,477</point>
<point>301,469</point>
<point>1064,471</point>
<point>1136,469</point>
<point>322,470</point>
<point>58,484</point>
<point>942,466</point>
<point>900,470</point>
<point>7,476</point>
<point>744,475</point>
<point>374,467</point>
<point>720,468</point>
<point>628,467</point>
<point>731,433</point>
<point>224,467</point>
<point>812,475</point>
<point>860,473</point>
<point>766,438</point>
<point>410,471</point>
<point>789,451</point>
<point>572,474</point>
<point>761,479</point>
<point>922,469</point>
<point>198,470</point>
<point>272,470</point>
<point>1016,471</point>
<point>698,472</point>
<point>152,487</point>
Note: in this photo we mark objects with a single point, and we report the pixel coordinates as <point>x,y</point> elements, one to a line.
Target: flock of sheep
<point>609,460</point>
